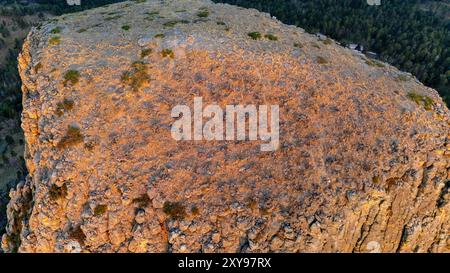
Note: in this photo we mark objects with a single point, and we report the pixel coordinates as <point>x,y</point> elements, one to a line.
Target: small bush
<point>167,53</point>
<point>372,62</point>
<point>56,30</point>
<point>255,35</point>
<point>137,76</point>
<point>56,192</point>
<point>73,136</point>
<point>126,27</point>
<point>203,13</point>
<point>100,210</point>
<point>145,52</point>
<point>402,78</point>
<point>170,23</point>
<point>159,36</point>
<point>271,37</point>
<point>65,105</point>
<point>425,101</point>
<point>327,41</point>
<point>220,23</point>
<point>298,45</point>
<point>72,77</point>
<point>55,40</point>
<point>174,209</point>
<point>81,30</point>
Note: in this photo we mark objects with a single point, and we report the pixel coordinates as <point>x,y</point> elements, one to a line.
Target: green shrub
<point>146,52</point>
<point>372,62</point>
<point>255,35</point>
<point>327,41</point>
<point>159,36</point>
<point>425,101</point>
<point>72,77</point>
<point>137,76</point>
<point>126,27</point>
<point>271,37</point>
<point>55,40</point>
<point>56,30</point>
<point>100,209</point>
<point>203,13</point>
<point>65,105</point>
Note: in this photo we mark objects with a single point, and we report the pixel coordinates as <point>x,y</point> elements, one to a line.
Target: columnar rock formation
<point>362,164</point>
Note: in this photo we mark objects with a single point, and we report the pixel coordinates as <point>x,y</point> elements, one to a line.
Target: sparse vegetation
<point>373,62</point>
<point>137,77</point>
<point>255,35</point>
<point>298,45</point>
<point>167,53</point>
<point>271,37</point>
<point>54,40</point>
<point>203,13</point>
<point>100,210</point>
<point>126,27</point>
<point>72,77</point>
<point>174,209</point>
<point>56,30</point>
<point>423,100</point>
<point>65,105</point>
<point>146,52</point>
<point>220,23</point>
<point>81,30</point>
<point>73,136</point>
<point>327,41</point>
<point>159,36</point>
<point>402,78</point>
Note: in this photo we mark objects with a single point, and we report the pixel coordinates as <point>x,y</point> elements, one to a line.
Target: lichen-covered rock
<point>362,165</point>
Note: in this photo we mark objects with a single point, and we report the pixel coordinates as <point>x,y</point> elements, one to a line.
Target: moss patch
<point>64,106</point>
<point>425,101</point>
<point>55,40</point>
<point>271,37</point>
<point>72,77</point>
<point>137,77</point>
<point>100,210</point>
<point>255,35</point>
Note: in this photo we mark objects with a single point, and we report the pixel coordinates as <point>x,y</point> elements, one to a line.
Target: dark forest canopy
<point>410,34</point>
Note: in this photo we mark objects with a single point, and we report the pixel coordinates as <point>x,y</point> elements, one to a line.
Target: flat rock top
<point>356,137</point>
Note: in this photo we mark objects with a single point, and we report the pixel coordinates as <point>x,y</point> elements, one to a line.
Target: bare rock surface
<point>362,165</point>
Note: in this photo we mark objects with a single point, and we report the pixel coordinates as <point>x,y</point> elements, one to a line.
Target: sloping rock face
<point>362,164</point>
